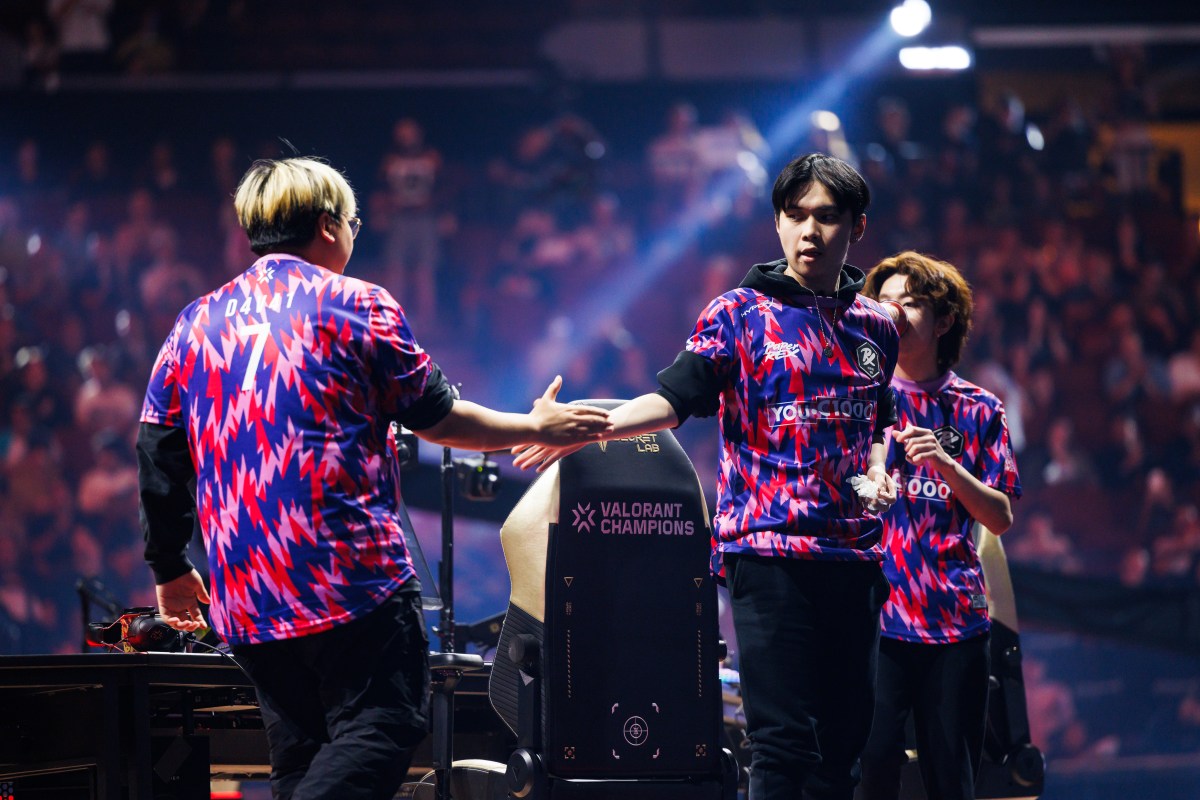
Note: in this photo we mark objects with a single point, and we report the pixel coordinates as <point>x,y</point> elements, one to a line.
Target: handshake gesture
<point>568,428</point>
<point>558,424</point>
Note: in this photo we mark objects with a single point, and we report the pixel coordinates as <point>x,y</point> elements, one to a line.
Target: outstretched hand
<point>542,456</point>
<point>179,602</point>
<point>564,429</point>
<point>559,424</point>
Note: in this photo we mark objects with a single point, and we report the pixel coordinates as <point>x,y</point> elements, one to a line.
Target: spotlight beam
<point>590,318</point>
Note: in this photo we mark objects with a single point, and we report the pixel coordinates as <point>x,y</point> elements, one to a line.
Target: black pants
<point>808,638</point>
<point>344,709</point>
<point>945,687</point>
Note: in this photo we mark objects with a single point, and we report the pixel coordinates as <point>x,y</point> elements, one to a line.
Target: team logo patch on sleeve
<point>869,359</point>
<point>950,440</point>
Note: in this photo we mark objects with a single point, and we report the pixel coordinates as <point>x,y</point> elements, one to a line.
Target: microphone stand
<point>447,667</point>
<point>446,568</point>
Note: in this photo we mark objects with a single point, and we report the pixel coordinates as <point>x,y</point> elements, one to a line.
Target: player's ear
<point>860,227</point>
<point>327,227</point>
<point>943,325</point>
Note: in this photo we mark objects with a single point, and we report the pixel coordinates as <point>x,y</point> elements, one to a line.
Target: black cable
<point>192,640</point>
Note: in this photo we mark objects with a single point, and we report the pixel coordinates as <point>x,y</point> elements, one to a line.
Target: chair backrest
<point>1012,766</point>
<point>627,615</point>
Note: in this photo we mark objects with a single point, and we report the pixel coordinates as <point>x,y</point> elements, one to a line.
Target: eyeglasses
<point>355,226</point>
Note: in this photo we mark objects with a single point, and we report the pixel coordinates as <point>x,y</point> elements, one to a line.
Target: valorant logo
<point>585,517</point>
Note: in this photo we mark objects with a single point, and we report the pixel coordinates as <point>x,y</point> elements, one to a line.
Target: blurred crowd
<point>46,43</point>
<point>560,252</point>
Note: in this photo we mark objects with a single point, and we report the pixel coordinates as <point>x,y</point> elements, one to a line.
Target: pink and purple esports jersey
<point>795,424</point>
<point>937,581</point>
<point>286,380</point>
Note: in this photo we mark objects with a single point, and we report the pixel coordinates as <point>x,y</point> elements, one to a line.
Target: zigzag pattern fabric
<point>297,477</point>
<point>795,425</point>
<point>937,581</point>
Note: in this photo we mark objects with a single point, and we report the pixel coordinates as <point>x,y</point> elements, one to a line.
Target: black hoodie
<point>772,279</point>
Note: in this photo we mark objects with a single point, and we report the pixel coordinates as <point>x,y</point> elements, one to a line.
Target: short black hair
<point>848,188</point>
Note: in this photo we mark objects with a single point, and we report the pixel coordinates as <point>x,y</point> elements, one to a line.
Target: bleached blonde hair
<point>278,202</point>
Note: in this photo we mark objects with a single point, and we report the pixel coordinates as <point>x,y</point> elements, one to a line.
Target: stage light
<point>622,288</point>
<point>826,121</point>
<point>1033,135</point>
<point>951,57</point>
<point>911,17</point>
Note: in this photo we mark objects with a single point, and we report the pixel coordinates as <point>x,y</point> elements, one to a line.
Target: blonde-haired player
<point>268,421</point>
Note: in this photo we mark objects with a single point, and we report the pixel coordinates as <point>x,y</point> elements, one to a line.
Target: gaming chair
<point>1012,766</point>
<point>607,667</point>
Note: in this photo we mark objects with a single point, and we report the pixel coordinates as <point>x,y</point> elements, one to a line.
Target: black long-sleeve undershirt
<point>167,487</point>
